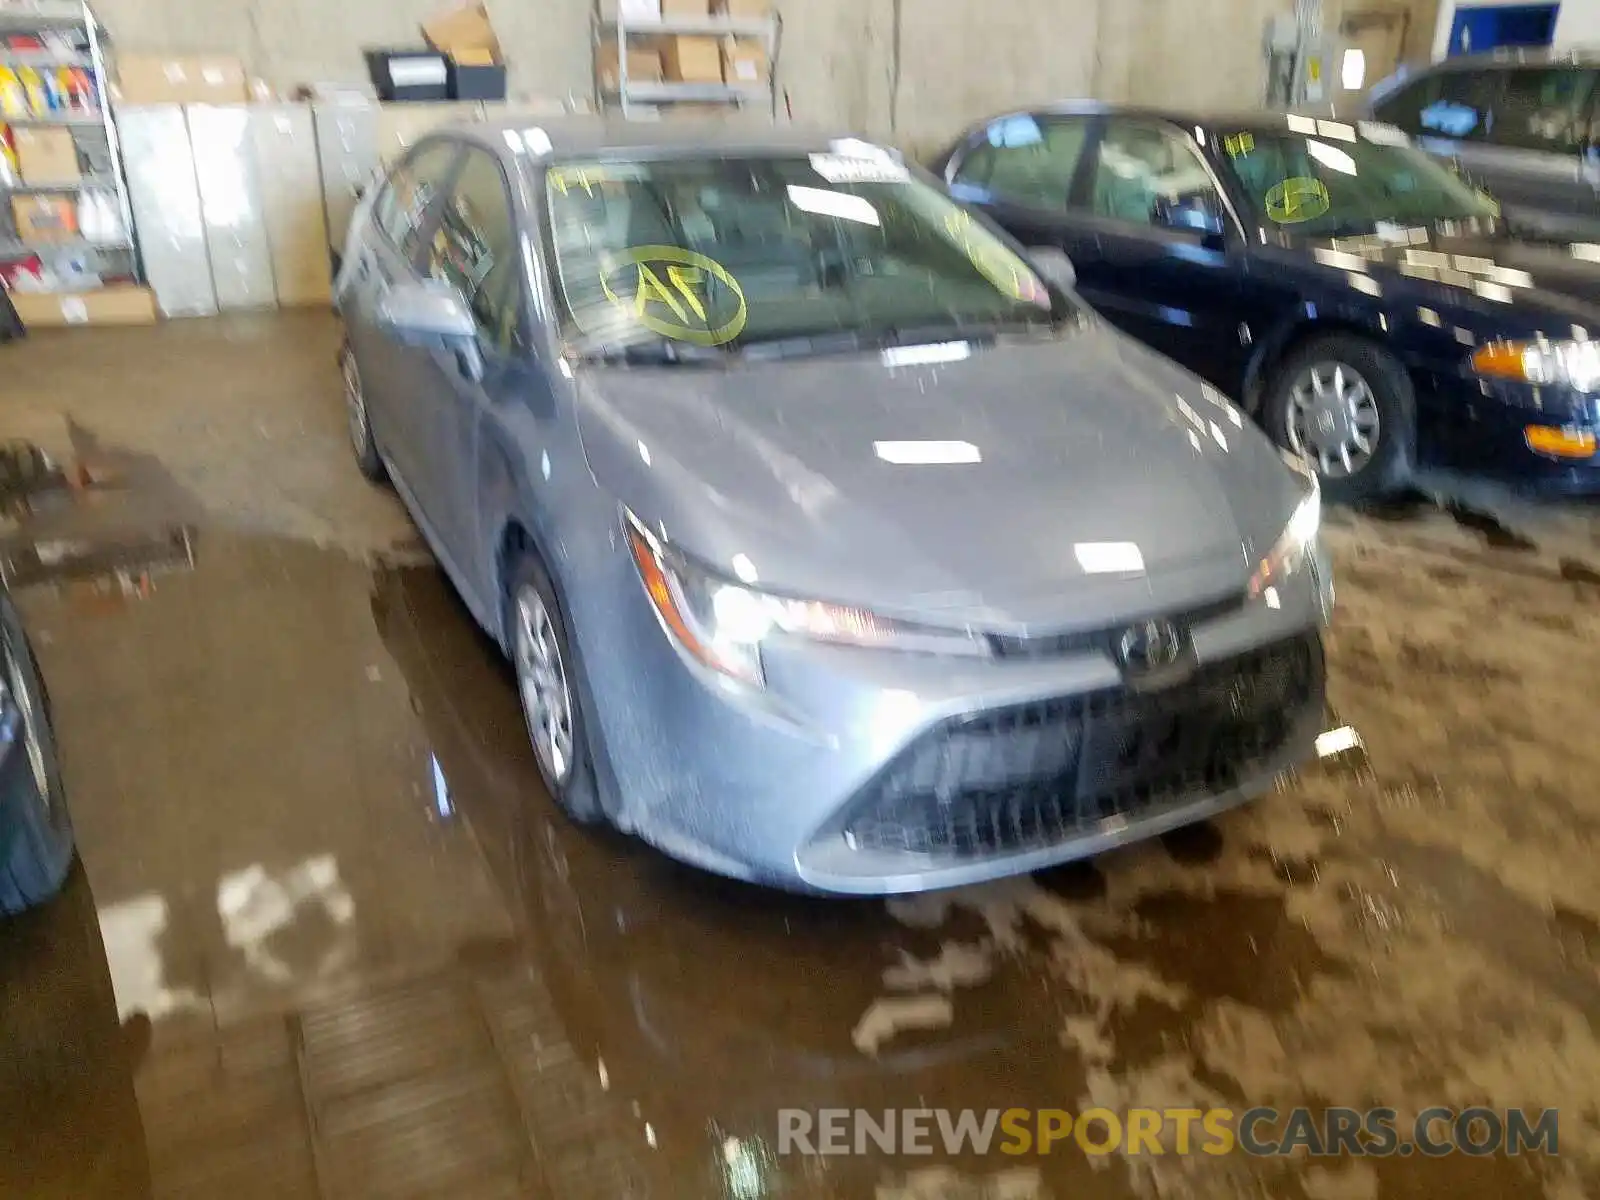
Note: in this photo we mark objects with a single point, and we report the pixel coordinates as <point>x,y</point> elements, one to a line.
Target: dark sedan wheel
<point>542,658</point>
<point>1345,406</point>
<point>355,405</point>
<point>34,825</point>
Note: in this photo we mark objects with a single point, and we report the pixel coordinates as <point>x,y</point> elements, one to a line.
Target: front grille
<point>1035,775</point>
<point>1103,641</point>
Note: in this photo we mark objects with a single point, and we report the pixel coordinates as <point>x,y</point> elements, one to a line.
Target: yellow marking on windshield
<point>583,177</point>
<point>1239,144</point>
<point>998,266</point>
<point>670,279</point>
<point>1298,199</point>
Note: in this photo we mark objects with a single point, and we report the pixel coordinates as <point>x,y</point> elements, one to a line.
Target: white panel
<point>347,145</point>
<point>159,162</point>
<point>285,147</point>
<point>236,234</point>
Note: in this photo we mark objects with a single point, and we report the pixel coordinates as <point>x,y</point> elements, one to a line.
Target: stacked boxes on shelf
<point>687,53</point>
<point>66,250</point>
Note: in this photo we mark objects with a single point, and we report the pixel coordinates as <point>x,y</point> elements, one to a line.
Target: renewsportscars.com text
<point>1333,1132</point>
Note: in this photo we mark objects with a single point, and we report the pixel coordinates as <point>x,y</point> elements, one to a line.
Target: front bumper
<point>1493,440</point>
<point>764,787</point>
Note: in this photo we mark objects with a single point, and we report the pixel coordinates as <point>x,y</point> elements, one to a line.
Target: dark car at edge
<point>1372,310</point>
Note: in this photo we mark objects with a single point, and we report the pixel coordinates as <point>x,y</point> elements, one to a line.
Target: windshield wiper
<point>663,352</point>
<point>846,341</point>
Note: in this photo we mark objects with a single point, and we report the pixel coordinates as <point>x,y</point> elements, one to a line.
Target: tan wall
<point>960,58</point>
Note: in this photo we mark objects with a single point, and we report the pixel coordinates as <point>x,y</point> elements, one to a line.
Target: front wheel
<point>541,655</point>
<point>362,443</point>
<point>1345,406</point>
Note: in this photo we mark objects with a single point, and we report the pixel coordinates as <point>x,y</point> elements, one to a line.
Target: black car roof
<point>1223,120</point>
<point>1516,56</point>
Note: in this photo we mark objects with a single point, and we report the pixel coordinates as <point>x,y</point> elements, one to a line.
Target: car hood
<point>1489,269</point>
<point>792,474</point>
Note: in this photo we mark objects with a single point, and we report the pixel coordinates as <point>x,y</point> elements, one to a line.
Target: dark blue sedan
<point>1369,307</point>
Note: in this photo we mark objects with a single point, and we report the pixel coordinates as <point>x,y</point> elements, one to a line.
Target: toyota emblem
<point>1150,646</point>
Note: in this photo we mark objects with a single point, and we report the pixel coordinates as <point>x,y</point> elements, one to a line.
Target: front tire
<point>41,852</point>
<point>1346,406</point>
<point>362,443</point>
<point>547,685</point>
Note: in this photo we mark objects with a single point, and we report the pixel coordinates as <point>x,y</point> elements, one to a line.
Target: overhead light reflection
<point>826,203</point>
<point>1337,741</point>
<point>922,454</point>
<point>922,356</point>
<point>1331,157</point>
<point>1109,558</point>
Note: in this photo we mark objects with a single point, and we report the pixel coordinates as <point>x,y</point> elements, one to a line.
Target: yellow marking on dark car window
<point>1239,144</point>
<point>1298,199</point>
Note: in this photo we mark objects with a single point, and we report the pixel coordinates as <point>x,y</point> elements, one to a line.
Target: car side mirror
<point>1198,213</point>
<point>1054,267</point>
<point>431,310</point>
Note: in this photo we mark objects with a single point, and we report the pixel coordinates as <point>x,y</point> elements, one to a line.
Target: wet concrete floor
<point>330,939</point>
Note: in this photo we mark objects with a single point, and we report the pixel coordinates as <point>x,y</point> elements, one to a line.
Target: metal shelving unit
<point>94,133</point>
<point>629,95</point>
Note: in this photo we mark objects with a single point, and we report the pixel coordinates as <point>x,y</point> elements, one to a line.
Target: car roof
<point>605,136</point>
<point>1213,119</point>
<point>1517,56</point>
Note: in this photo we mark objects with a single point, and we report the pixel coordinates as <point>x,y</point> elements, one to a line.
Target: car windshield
<point>1334,178</point>
<point>686,255</point>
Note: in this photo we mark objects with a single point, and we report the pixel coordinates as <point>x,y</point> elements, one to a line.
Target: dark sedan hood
<point>788,467</point>
<point>1483,266</point>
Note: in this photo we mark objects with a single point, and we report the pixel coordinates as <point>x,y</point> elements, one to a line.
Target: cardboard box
<point>192,79</point>
<point>466,35</point>
<point>119,304</point>
<point>743,10</point>
<point>744,62</point>
<point>693,9</point>
<point>693,59</point>
<point>644,66</point>
<point>45,219</point>
<point>46,156</point>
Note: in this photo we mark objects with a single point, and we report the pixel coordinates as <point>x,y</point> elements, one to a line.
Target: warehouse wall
<point>958,58</point>
<point>1578,23</point>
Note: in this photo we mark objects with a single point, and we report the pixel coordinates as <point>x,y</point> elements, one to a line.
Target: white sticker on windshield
<point>840,168</point>
<point>1384,135</point>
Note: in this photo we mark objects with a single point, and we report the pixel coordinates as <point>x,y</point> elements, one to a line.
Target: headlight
<point>723,624</point>
<point>1291,550</point>
<point>1573,364</point>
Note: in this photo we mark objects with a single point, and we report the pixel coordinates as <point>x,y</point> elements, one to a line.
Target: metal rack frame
<point>628,94</point>
<point>39,16</point>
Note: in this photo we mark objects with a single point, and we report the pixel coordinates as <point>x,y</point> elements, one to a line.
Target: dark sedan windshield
<point>719,252</point>
<point>1333,179</point>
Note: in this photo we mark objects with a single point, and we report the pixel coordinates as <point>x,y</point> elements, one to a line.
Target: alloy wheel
<point>1333,419</point>
<point>355,401</point>
<point>542,682</point>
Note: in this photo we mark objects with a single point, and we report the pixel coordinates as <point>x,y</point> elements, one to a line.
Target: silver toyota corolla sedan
<point>835,544</point>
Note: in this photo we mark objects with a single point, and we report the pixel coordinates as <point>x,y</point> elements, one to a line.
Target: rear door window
<point>1024,160</point>
<point>1540,108</point>
<point>1443,104</point>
